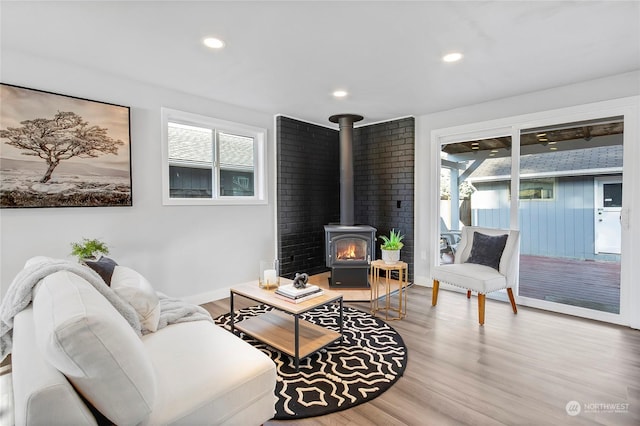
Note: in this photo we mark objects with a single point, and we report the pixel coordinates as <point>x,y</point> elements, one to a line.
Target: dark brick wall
<point>384,180</point>
<point>308,193</point>
<point>309,183</point>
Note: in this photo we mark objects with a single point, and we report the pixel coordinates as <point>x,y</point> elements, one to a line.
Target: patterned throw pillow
<point>487,250</point>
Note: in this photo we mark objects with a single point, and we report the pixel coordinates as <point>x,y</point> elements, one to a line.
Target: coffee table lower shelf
<point>277,330</point>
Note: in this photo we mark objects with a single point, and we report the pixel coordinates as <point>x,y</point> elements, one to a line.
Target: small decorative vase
<point>269,274</point>
<point>390,257</point>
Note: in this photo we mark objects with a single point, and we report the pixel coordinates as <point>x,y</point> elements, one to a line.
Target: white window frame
<point>259,136</point>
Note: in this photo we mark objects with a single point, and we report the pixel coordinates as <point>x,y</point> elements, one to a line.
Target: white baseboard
<point>422,281</point>
<point>209,296</point>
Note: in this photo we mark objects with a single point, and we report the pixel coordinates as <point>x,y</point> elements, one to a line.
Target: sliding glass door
<point>570,202</point>
<point>561,185</point>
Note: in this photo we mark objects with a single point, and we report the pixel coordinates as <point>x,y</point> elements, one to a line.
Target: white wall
<point>184,251</point>
<point>620,86</point>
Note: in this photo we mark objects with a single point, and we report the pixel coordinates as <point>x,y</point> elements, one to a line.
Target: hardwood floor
<point>515,370</point>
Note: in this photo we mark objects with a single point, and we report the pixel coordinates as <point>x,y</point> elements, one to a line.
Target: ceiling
<point>288,57</point>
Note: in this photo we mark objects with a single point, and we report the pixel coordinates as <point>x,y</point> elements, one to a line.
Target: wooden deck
<point>585,283</point>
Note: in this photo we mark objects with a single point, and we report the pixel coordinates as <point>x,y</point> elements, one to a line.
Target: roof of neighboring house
<point>193,146</point>
<point>557,163</point>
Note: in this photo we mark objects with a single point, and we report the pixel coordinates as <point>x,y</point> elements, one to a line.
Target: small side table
<point>402,283</point>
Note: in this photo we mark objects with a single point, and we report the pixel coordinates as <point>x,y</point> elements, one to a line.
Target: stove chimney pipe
<point>346,165</point>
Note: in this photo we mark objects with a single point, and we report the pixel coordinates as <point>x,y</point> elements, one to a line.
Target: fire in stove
<point>350,252</point>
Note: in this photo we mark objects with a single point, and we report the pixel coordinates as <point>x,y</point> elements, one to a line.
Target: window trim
<point>259,136</point>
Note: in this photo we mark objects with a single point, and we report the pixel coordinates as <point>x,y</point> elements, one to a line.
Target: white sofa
<point>77,361</point>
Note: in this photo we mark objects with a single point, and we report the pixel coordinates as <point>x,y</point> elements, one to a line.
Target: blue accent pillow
<point>104,267</point>
<point>487,250</point>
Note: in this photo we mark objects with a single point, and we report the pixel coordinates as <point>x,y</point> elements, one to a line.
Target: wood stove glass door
<point>350,249</point>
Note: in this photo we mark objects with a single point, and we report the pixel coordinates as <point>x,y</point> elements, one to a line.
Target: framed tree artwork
<point>62,151</point>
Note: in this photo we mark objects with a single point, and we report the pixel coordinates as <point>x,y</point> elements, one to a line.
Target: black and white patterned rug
<point>371,358</point>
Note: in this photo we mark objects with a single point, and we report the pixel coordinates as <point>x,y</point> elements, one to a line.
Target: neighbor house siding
<point>560,227</point>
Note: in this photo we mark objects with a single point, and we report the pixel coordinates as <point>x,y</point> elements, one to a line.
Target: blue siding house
<point>559,210</point>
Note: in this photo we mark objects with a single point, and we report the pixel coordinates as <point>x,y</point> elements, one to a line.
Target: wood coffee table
<point>282,327</point>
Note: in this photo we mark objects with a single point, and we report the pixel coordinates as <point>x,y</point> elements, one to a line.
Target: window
<point>536,189</point>
<point>612,195</point>
<point>210,161</point>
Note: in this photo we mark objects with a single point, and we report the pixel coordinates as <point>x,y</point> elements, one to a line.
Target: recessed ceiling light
<point>214,43</point>
<point>554,148</point>
<point>340,93</point>
<point>452,57</point>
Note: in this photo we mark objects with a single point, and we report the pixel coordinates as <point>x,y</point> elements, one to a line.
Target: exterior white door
<point>608,206</point>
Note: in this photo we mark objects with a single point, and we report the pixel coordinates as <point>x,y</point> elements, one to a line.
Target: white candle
<point>270,276</point>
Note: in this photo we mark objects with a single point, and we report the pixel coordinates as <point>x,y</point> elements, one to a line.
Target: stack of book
<point>296,295</point>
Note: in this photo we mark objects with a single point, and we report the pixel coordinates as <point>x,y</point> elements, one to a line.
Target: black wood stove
<point>349,248</point>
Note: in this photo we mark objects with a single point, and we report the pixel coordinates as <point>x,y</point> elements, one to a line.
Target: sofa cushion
<point>136,290</point>
<point>221,380</point>
<point>81,334</point>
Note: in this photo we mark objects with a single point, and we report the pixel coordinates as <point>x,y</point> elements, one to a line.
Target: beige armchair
<point>486,260</point>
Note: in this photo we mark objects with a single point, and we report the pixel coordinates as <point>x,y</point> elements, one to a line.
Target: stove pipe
<point>346,165</point>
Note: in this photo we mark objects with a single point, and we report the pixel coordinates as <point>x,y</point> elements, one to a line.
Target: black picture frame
<point>63,151</point>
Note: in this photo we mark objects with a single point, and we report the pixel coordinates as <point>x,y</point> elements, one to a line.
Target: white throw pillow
<point>82,335</point>
<point>136,290</point>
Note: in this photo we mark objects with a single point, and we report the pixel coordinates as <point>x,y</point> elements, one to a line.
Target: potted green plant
<point>89,249</point>
<point>391,247</point>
